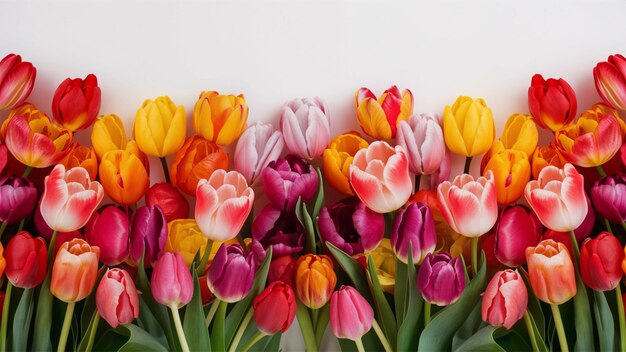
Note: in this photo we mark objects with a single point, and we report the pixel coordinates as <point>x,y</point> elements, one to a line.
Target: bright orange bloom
<point>511,172</point>
<point>74,271</point>
<point>197,159</point>
<point>84,157</point>
<point>124,176</point>
<point>3,262</point>
<point>337,159</point>
<point>544,156</point>
<point>551,272</point>
<point>315,280</point>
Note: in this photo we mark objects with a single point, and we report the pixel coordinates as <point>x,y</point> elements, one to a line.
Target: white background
<point>276,51</point>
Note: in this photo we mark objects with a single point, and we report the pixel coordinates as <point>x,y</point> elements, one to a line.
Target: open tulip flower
<point>379,117</point>
<point>287,179</point>
<point>306,127</point>
<point>17,79</point>
<point>279,230</point>
<point>83,156</point>
<point>220,118</point>
<point>552,102</point>
<point>76,102</point>
<point>610,79</point>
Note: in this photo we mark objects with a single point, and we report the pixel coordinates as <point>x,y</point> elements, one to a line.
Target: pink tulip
<point>109,230</point>
<point>17,79</point>
<point>223,203</point>
<point>469,206</point>
<point>258,146</point>
<point>351,316</point>
<point>610,78</point>
<point>505,299</point>
<point>380,177</point>
<point>305,127</point>
<point>69,198</point>
<point>558,198</point>
<point>172,283</point>
<point>518,228</point>
<point>116,298</point>
<point>421,137</point>
<point>443,173</point>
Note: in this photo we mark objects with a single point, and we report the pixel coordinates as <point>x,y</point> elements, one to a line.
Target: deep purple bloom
<point>413,224</point>
<point>608,195</point>
<point>287,179</point>
<point>441,279</point>
<point>279,229</point>
<point>148,231</point>
<point>19,197</point>
<point>231,274</point>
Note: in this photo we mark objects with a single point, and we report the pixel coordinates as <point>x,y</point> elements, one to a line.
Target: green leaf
<point>195,331</point>
<point>353,269</point>
<point>205,257</point>
<point>21,321</point>
<point>401,291</point>
<point>273,342</point>
<point>541,344</point>
<point>582,318</point>
<point>383,310</point>
<point>469,327</point>
<point>307,222</point>
<point>483,340</point>
<point>408,333</point>
<point>95,319</point>
<point>43,317</point>
<point>604,322</point>
<point>148,322</point>
<point>138,339</point>
<point>318,201</point>
<point>534,306</point>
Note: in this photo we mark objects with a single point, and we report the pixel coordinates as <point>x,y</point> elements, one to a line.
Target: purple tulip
<point>280,230</point>
<point>351,226</point>
<point>19,197</point>
<point>148,232</point>
<point>441,279</point>
<point>517,229</point>
<point>413,224</point>
<point>109,230</point>
<point>231,273</point>
<point>608,195</point>
<point>287,179</point>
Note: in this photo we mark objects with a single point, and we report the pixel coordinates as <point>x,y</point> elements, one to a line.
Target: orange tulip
<point>74,271</point>
<point>337,159</point>
<point>84,157</point>
<point>315,280</point>
<point>511,172</point>
<point>3,262</point>
<point>551,272</point>
<point>544,156</point>
<point>124,176</point>
<point>197,159</point>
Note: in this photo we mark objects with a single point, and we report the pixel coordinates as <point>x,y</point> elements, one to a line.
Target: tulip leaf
<point>483,340</point>
<point>138,339</point>
<point>95,319</point>
<point>408,334</point>
<point>273,342</point>
<point>195,331</point>
<point>385,314</point>
<point>604,322</point>
<point>470,326</point>
<point>305,219</point>
<point>41,337</point>
<point>353,269</point>
<point>202,261</point>
<point>400,291</point>
<point>21,321</point>
<point>582,317</point>
<point>534,306</point>
<point>318,201</point>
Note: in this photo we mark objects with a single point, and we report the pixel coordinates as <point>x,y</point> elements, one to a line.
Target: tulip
<point>441,279</point>
<point>108,134</point>
<point>351,226</point>
<point>256,148</point>
<point>185,238</point>
<point>520,133</point>
<point>544,156</point>
<point>282,269</point>
<point>223,203</point>
<point>608,195</point>
<point>76,102</point>
<point>468,127</point>
<point>69,198</point>
<point>413,226</point>
<point>278,229</point>
<point>421,137</point>
<point>379,176</point>
<point>32,138</point>
<point>172,284</point>
<point>274,308</point>
<point>19,197</point>
<point>26,260</point>
<point>385,262</point>
<point>109,230</point>
<point>169,199</point>
<point>287,179</point>
<point>4,155</point>
<point>379,117</point>
<point>601,262</point>
<point>351,316</point>
<point>443,174</point>
<point>220,118</point>
<point>231,274</point>
<point>117,298</point>
<point>558,198</point>
<point>148,235</point>
<point>306,127</point>
<point>123,176</point>
<point>552,102</point>
<point>315,280</point>
<point>160,127</point>
<point>197,159</point>
<point>551,272</point>
<point>74,271</point>
<point>46,232</point>
<point>610,79</point>
<point>84,157</point>
<point>3,262</point>
<point>17,79</point>
<point>516,230</point>
<point>338,157</point>
<point>505,299</point>
<point>511,173</point>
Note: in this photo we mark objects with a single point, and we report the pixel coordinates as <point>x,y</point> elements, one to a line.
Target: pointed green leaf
<point>604,322</point>
<point>470,326</point>
<point>318,201</point>
<point>582,318</point>
<point>353,269</point>
<point>408,332</point>
<point>195,331</point>
<point>307,222</point>
<point>483,340</point>
<point>138,340</point>
<point>21,321</point>
<point>384,313</point>
<point>401,289</point>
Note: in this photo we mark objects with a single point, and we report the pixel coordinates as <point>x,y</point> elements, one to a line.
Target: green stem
<point>211,313</point>
<point>41,336</point>
<point>53,242</point>
<point>418,179</point>
<point>5,317</point>
<point>92,333</point>
<point>474,244</point>
<point>468,162</point>
<point>179,328</point>
<point>427,306</point>
<point>600,170</point>
<point>217,334</point>
<point>624,226</point>
<point>359,345</point>
<point>607,224</point>
<point>381,336</point>
<point>558,323</point>
<point>166,171</point>
<point>314,316</point>
<point>622,319</point>
<point>67,323</point>
<point>256,338</point>
<point>304,320</point>
<point>572,238</point>
<point>27,171</point>
<point>322,323</point>
<point>531,332</point>
<point>2,228</point>
<point>240,331</point>
<point>21,227</point>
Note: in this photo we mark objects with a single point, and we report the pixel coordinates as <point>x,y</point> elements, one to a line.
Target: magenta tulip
<point>305,127</point>
<point>231,273</point>
<point>17,79</point>
<point>172,284</point>
<point>413,225</point>
<point>256,148</point>
<point>516,230</point>
<point>109,230</point>
<point>505,299</point>
<point>351,316</point>
<point>19,197</point>
<point>274,308</point>
<point>610,79</point>
<point>4,156</point>
<point>278,229</point>
<point>117,299</point>
<point>441,279</point>
<point>148,235</point>
<point>421,137</point>
<point>608,195</point>
<point>287,179</point>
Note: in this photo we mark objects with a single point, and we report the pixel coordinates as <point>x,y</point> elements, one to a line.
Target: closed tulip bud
<point>315,280</point>
<point>610,79</point>
<point>505,299</point>
<point>148,234</point>
<point>413,226</point>
<point>351,316</point>
<point>558,198</point>
<point>172,284</point>
<point>108,134</point>
<point>26,260</point>
<point>19,197</point>
<point>545,156</point>
<point>160,127</point>
<point>338,157</point>
<point>517,229</point>
<point>520,133</point>
<point>385,263</point>
<point>274,308</point>
<point>33,139</point>
<point>197,159</point>
<point>421,137</point>
<point>74,271</point>
<point>551,272</point>
<point>231,274</point>
<point>608,195</point>
<point>17,79</point>
<point>306,127</point>
<point>441,279</point>
<point>282,269</point>
<point>379,117</point>
<point>468,126</point>
<point>256,148</point>
<point>379,176</point>
<point>601,262</point>
<point>287,179</point>
<point>76,102</point>
<point>123,176</point>
<point>351,226</point>
<point>278,229</point>
<point>552,102</point>
<point>220,118</point>
<point>117,298</point>
<point>169,199</point>
<point>511,173</point>
<point>109,230</point>
<point>185,238</point>
<point>85,157</point>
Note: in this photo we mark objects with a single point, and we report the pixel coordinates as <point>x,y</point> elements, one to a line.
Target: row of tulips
<point>516,258</point>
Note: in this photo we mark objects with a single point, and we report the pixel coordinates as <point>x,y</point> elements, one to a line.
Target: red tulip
<point>552,103</point>
<point>282,269</point>
<point>166,196</point>
<point>275,308</point>
<point>76,102</point>
<point>27,260</point>
<point>601,262</point>
<point>17,79</point>
<point>610,79</point>
<point>116,298</point>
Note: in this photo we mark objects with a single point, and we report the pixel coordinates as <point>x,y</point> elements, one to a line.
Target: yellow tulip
<point>520,133</point>
<point>123,176</point>
<point>220,118</point>
<point>468,126</point>
<point>184,236</point>
<point>385,263</point>
<point>337,159</point>
<point>108,134</point>
<point>160,127</point>
<point>511,172</point>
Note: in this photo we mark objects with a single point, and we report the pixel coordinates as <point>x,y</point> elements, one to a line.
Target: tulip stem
<point>359,345</point>
<point>531,332</point>
<point>5,317</point>
<point>622,319</point>
<point>304,320</point>
<point>67,323</point>
<point>558,323</point>
<point>92,333</point>
<point>3,227</point>
<point>27,171</point>
<point>21,227</point>
<point>166,171</point>
<point>179,328</point>
<point>322,323</point>
<point>572,238</point>
<point>256,338</point>
<point>624,226</point>
<point>211,313</point>
<point>601,170</point>
<point>474,244</point>
<point>418,180</point>
<point>53,242</point>
<point>240,331</point>
<point>381,336</point>
<point>217,334</point>
<point>427,306</point>
<point>468,162</point>
<point>607,224</point>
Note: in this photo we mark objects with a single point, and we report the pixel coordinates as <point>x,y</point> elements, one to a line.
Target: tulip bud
<point>441,279</point>
<point>511,171</point>
<point>305,126</point>
<point>160,127</point>
<point>74,271</point>
<point>231,274</point>
<point>315,280</point>
<point>421,137</point>
<point>169,199</point>
<point>351,316</point>
<point>197,159</point>
<point>108,134</point>
<point>220,118</point>
<point>172,284</point>
<point>84,157</point>
<point>117,299</point>
<point>278,229</point>
<point>109,230</point>
<point>256,148</point>
<point>468,126</point>
<point>545,156</point>
<point>338,157</point>
<point>17,79</point>
<point>505,299</point>
<point>610,79</point>
<point>19,197</point>
<point>76,102</point>
<point>26,260</point>
<point>282,269</point>
<point>148,234</point>
<point>609,197</point>
<point>520,133</point>
<point>274,308</point>
<point>601,262</point>
<point>552,103</point>
<point>185,238</point>
<point>551,272</point>
<point>287,179</point>
<point>413,226</point>
<point>516,230</point>
<point>379,117</point>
